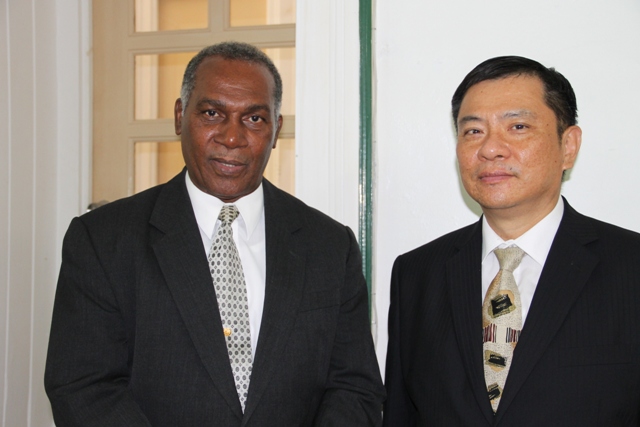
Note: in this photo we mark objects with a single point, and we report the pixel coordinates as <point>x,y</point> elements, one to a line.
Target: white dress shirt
<point>249,236</point>
<point>536,243</point>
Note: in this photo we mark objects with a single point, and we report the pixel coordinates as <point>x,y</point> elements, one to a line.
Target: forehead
<point>511,93</point>
<point>222,74</point>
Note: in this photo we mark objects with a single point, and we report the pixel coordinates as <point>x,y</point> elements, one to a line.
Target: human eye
<point>211,113</point>
<point>255,120</point>
<point>471,132</point>
<point>520,126</point>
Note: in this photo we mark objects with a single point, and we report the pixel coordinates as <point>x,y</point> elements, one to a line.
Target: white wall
<point>425,48</point>
<point>43,125</point>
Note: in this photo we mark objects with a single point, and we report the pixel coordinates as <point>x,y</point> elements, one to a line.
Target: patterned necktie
<point>231,292</point>
<point>501,323</point>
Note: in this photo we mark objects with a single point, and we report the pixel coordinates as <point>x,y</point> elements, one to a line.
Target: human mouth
<point>228,166</point>
<point>494,177</point>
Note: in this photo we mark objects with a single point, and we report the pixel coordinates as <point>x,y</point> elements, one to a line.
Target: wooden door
<point>140,50</point>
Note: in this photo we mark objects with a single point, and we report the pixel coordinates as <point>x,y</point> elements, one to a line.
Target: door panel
<point>141,48</point>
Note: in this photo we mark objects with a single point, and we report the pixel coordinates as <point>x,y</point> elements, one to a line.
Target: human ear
<point>571,141</point>
<point>275,139</point>
<point>177,116</point>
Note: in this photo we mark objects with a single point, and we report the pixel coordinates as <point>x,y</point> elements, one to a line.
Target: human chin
<point>227,194</point>
<point>494,199</point>
<point>236,188</point>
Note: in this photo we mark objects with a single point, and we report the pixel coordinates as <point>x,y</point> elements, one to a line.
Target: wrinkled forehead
<point>250,77</point>
<point>216,64</point>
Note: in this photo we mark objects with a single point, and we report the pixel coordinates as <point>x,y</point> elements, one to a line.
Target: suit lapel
<point>184,266</point>
<point>463,272</point>
<point>283,292</point>
<point>564,275</point>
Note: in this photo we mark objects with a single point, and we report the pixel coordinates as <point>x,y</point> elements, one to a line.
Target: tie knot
<point>509,258</point>
<point>228,214</point>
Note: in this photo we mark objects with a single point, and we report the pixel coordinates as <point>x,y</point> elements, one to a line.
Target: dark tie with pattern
<point>231,292</point>
<point>501,323</point>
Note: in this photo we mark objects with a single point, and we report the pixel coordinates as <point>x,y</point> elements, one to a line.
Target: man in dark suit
<point>140,334</point>
<point>572,357</point>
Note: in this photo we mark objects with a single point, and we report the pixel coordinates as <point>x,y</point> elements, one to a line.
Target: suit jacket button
<point>227,332</point>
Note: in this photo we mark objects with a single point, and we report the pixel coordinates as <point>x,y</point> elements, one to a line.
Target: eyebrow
<point>518,113</point>
<point>467,119</point>
<point>506,115</point>
<point>220,104</point>
<point>210,103</point>
<point>258,107</point>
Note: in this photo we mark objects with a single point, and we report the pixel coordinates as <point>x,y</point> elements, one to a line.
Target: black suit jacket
<point>577,362</point>
<point>136,337</point>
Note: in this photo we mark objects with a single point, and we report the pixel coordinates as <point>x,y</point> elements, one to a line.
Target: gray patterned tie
<point>501,323</point>
<point>231,292</point>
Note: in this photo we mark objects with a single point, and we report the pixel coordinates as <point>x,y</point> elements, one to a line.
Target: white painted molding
<point>74,80</point>
<point>327,100</point>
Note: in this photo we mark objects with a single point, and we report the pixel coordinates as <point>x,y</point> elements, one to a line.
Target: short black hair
<point>559,95</point>
<point>231,50</point>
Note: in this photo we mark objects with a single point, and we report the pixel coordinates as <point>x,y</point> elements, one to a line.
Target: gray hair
<point>233,51</point>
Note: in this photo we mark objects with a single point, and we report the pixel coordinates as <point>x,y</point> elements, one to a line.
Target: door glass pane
<point>262,12</point>
<point>157,83</point>
<point>158,79</point>
<point>168,15</point>
<point>156,163</point>
<point>285,60</point>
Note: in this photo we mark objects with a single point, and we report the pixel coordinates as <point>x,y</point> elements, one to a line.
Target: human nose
<point>230,134</point>
<point>493,147</point>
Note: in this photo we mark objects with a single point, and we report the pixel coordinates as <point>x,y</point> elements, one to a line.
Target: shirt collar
<point>536,242</point>
<point>207,208</point>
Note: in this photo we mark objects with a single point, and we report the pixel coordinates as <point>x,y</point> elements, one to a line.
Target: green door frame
<point>366,141</point>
